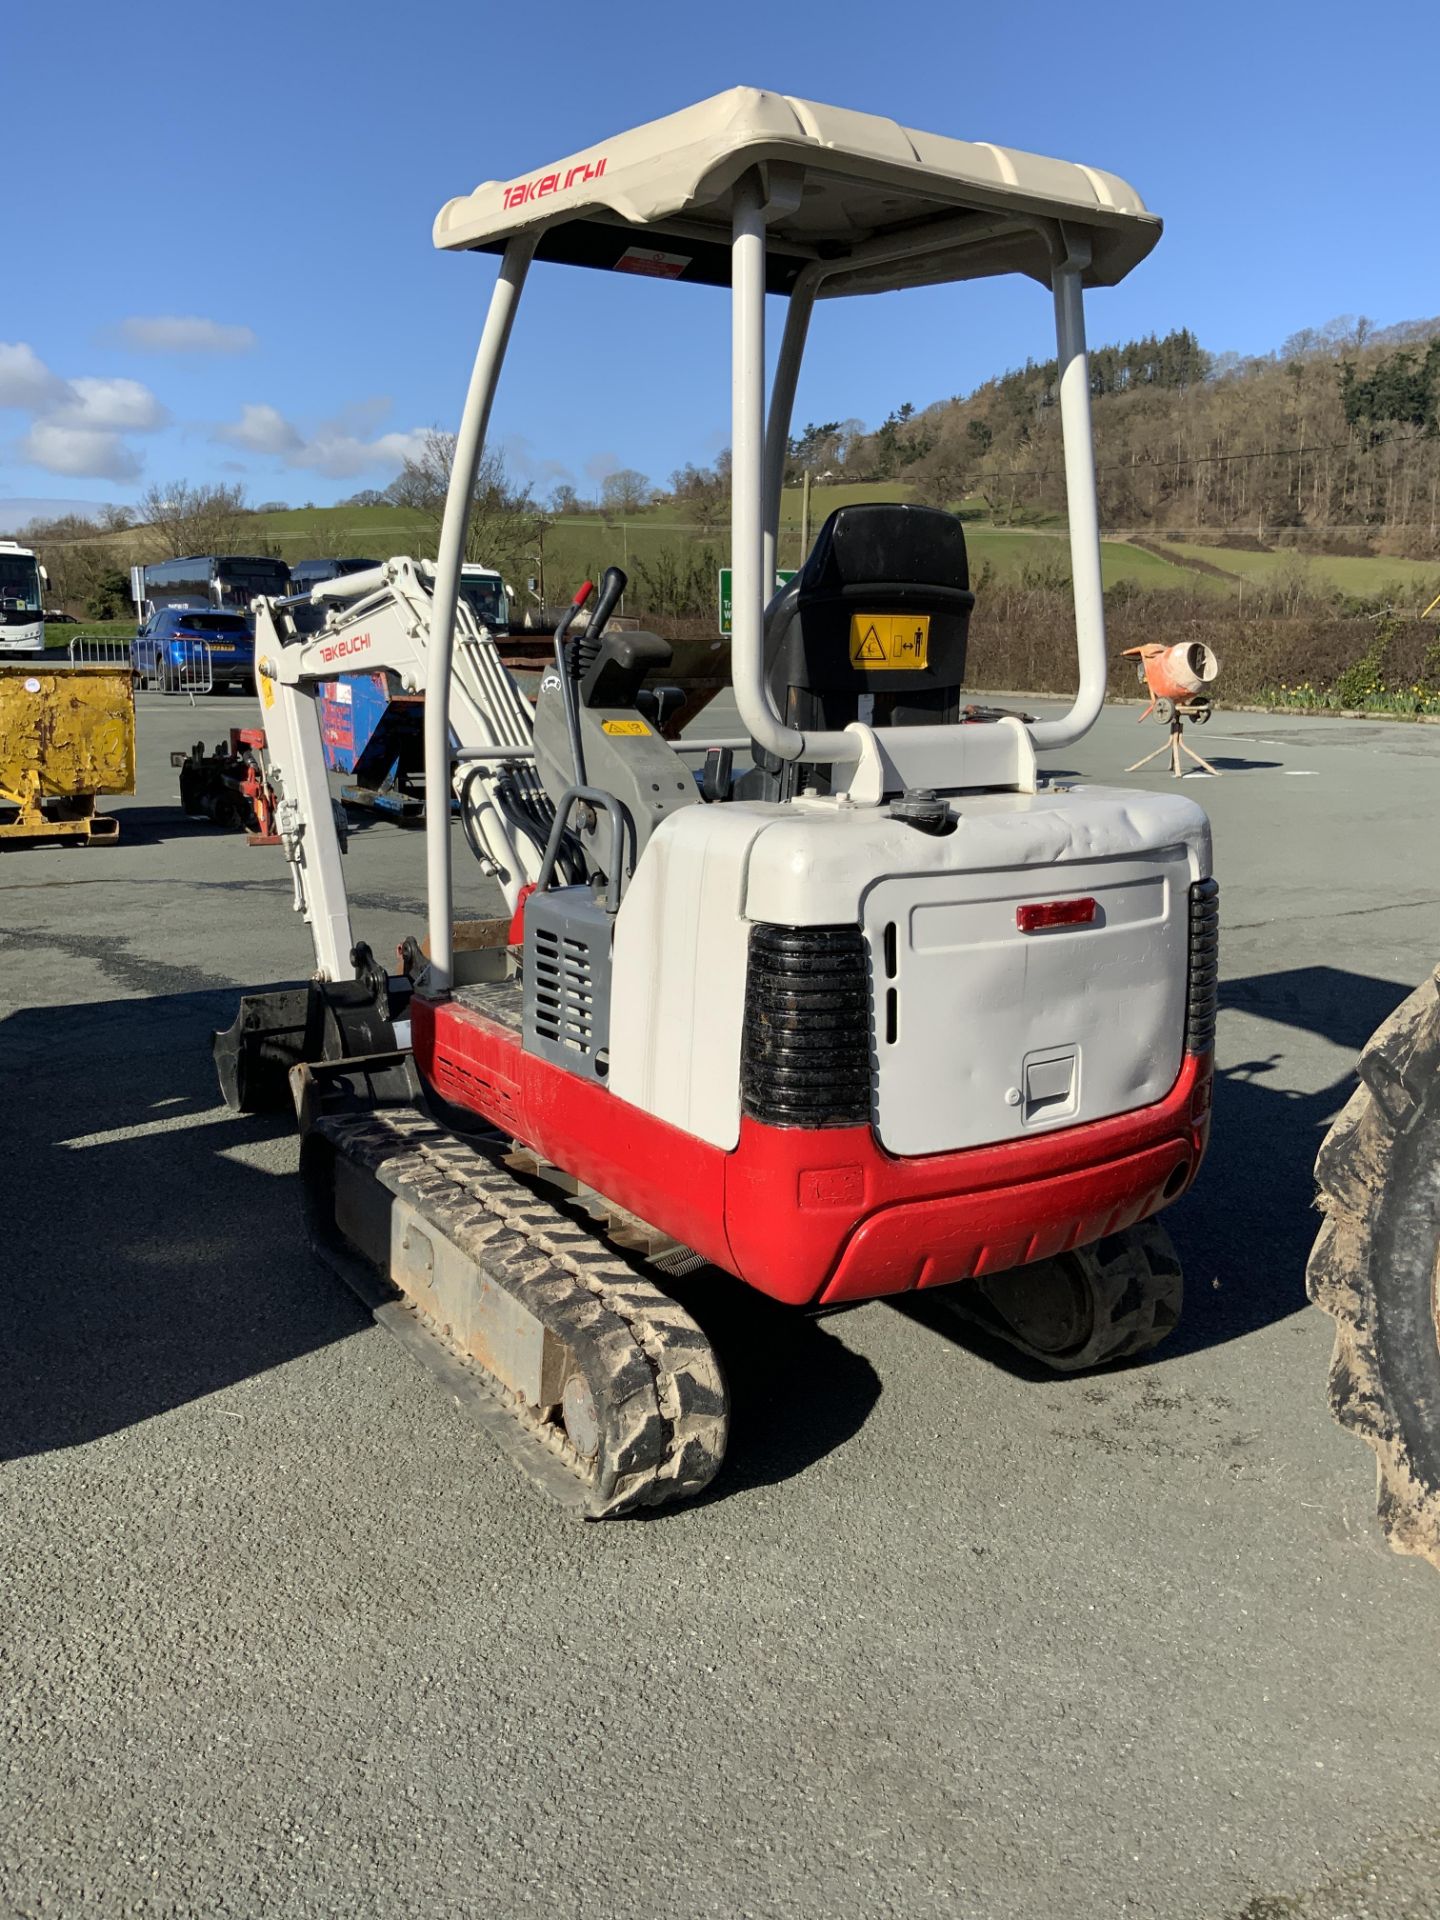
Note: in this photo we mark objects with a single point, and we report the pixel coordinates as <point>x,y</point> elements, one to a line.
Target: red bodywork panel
<point>826,1215</point>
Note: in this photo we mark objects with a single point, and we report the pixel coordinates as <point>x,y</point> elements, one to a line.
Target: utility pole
<point>804,516</point>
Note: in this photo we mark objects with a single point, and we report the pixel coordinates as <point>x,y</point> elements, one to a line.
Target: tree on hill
<point>625,491</point>
<point>504,520</point>
<point>1401,390</point>
<point>1337,439</point>
<point>180,518</point>
<point>702,495</point>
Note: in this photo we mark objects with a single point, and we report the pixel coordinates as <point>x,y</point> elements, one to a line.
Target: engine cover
<point>980,1031</point>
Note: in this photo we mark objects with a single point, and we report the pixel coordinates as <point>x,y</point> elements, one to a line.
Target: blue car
<point>169,652</point>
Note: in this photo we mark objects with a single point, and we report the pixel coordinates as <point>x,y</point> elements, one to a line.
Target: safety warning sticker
<point>889,642</point>
<point>623,726</point>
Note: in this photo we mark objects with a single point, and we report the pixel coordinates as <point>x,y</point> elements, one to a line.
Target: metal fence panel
<point>192,672</point>
<point>91,652</point>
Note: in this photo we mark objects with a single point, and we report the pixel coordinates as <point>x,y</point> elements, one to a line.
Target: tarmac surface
<point>281,1635</point>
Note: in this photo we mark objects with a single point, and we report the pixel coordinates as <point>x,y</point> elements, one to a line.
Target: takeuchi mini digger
<point>854,1004</point>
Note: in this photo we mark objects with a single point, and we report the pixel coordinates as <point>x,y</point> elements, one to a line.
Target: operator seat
<point>873,627</point>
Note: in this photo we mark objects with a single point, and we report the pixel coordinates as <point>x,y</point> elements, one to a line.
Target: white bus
<point>484,590</point>
<point>22,584</point>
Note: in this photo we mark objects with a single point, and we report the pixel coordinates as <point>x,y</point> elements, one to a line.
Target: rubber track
<point>1136,1292</point>
<point>1373,1266</point>
<point>658,1388</point>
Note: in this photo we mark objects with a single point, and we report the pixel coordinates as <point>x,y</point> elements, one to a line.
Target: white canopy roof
<point>658,201</point>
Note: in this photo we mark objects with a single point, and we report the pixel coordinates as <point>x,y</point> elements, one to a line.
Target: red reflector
<point>1055,913</point>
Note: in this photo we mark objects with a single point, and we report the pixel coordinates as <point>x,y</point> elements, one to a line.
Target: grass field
<point>57,639</point>
<point>581,543</point>
<point>1351,573</point>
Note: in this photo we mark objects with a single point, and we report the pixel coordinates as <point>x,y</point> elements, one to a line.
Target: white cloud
<point>76,424</point>
<point>94,452</point>
<point>332,449</point>
<point>117,406</point>
<point>341,455</point>
<point>530,469</point>
<point>173,333</point>
<point>260,429</point>
<point>26,381</point>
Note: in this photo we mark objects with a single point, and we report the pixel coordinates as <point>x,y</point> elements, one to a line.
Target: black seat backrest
<point>881,608</point>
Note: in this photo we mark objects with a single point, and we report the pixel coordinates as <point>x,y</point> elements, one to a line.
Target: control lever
<point>659,703</point>
<point>567,680</point>
<point>612,585</point>
<point>718,773</point>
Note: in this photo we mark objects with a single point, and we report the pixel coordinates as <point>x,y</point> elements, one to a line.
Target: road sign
<point>783,577</point>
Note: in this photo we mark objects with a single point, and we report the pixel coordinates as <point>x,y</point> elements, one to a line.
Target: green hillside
<point>1351,573</point>
<point>583,542</point>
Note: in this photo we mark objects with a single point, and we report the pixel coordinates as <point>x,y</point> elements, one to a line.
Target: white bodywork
<point>22,634</point>
<point>864,174</point>
<point>764,192</point>
<point>981,1032</point>
<point>375,620</point>
<point>998,1032</point>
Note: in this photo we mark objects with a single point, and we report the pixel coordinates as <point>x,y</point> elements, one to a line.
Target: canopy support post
<point>469,445</point>
<point>1072,258</point>
<point>782,404</point>
<point>747,478</point>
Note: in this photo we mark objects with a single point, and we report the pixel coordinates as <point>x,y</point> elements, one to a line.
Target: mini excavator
<point>856,1004</point>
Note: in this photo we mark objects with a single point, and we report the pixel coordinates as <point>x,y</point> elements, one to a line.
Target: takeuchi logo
<point>358,643</point>
<point>545,184</point>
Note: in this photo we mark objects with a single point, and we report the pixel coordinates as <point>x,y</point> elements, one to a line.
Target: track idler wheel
<point>1375,1267</point>
<point>1089,1308</point>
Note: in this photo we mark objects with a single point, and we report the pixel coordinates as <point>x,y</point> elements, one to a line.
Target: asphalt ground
<point>282,1636</point>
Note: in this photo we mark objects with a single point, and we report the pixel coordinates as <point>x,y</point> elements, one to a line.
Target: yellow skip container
<point>67,733</point>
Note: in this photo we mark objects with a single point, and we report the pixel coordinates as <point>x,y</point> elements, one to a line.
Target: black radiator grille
<point>806,1055</point>
<point>1200,1005</point>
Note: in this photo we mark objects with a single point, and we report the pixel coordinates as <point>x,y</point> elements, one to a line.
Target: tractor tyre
<point>1102,1303</point>
<point>1375,1267</point>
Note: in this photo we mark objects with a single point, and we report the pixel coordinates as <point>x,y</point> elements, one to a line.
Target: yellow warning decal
<point>623,726</point>
<point>889,642</point>
<point>267,690</point>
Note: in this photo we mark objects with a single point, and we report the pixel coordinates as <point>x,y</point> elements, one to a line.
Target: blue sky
<point>273,173</point>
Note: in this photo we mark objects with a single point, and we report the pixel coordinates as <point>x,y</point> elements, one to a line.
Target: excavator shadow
<point>152,1254</point>
<point>147,826</point>
<point>796,1391</point>
<point>157,1252</point>
<point>156,1249</point>
<point>1244,1231</point>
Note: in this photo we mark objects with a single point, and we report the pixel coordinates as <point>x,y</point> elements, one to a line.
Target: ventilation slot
<point>806,1055</point>
<point>567,980</point>
<point>1204,983</point>
<point>564,994</point>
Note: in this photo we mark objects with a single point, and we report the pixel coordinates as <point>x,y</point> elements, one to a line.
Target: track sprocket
<point>1089,1308</point>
